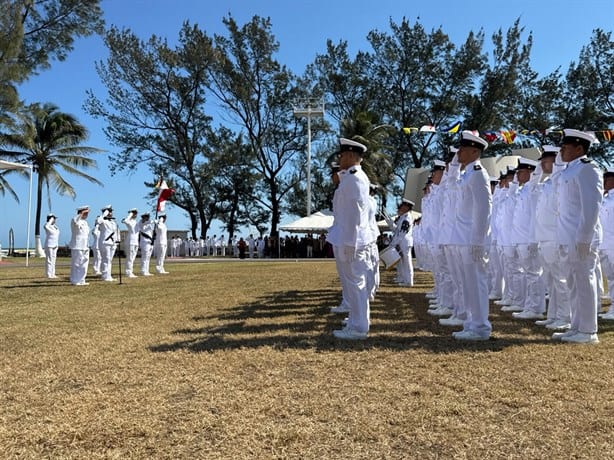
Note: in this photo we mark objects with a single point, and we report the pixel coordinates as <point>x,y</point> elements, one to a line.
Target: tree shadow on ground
<point>302,320</point>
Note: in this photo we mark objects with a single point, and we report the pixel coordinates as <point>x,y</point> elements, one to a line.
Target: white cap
<point>406,201</point>
<point>574,136</point>
<point>438,164</point>
<point>549,151</point>
<point>526,163</point>
<point>469,139</point>
<point>107,207</point>
<point>82,208</point>
<point>348,145</point>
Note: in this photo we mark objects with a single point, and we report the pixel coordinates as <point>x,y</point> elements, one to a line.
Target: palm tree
<point>51,141</point>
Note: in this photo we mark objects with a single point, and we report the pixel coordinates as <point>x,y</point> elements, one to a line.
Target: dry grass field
<point>235,360</point>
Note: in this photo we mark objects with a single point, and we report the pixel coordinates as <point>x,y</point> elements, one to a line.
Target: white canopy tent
<point>318,222</point>
<point>321,221</point>
<point>9,165</point>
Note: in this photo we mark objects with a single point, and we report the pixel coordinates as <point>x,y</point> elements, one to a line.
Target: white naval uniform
<point>52,239</point>
<point>523,237</point>
<point>146,231</point>
<point>606,250</point>
<point>545,228</point>
<point>351,236</point>
<point>495,267</point>
<point>469,237</point>
<point>450,296</point>
<point>79,250</point>
<point>133,243</point>
<point>374,275</point>
<point>402,240</point>
<point>580,196</point>
<point>96,246</point>
<point>160,245</point>
<point>512,270</point>
<point>109,236</point>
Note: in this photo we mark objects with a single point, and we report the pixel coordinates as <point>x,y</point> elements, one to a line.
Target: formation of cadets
<point>531,240</point>
<point>144,234</point>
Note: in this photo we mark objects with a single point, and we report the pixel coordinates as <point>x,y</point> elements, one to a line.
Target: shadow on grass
<point>302,320</point>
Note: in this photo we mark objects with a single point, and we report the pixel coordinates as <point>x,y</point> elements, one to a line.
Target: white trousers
<point>582,282</point>
<point>132,251</point>
<point>606,256</point>
<point>534,298</point>
<point>405,268</point>
<point>455,265</point>
<point>97,260</point>
<point>79,261</point>
<point>107,252</point>
<point>160,255</point>
<point>475,291</point>
<point>146,250</point>
<point>50,258</point>
<point>555,282</point>
<point>514,275</point>
<point>373,279</point>
<point>356,265</point>
<point>495,271</point>
<point>445,288</point>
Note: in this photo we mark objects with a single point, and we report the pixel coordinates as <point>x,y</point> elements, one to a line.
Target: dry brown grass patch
<point>236,360</point>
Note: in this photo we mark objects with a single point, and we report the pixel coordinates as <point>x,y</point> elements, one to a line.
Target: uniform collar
<point>577,160</point>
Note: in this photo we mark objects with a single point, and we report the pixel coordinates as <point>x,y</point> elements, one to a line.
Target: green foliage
<point>33,33</point>
<point>50,140</point>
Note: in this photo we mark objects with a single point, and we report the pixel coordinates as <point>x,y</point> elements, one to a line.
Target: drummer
<point>402,241</point>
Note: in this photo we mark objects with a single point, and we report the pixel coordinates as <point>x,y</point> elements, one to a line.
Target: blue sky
<point>560,29</point>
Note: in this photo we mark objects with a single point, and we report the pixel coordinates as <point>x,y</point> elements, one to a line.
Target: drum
<point>390,257</point>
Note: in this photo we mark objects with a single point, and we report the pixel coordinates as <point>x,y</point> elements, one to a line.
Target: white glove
<point>533,250</point>
<point>349,252</point>
<point>105,213</point>
<point>454,161</point>
<point>538,172</point>
<point>583,250</point>
<point>477,253</point>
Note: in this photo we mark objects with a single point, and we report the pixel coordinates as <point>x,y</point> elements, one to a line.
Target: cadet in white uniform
<point>523,236</point>
<point>402,241</point>
<point>606,250</point>
<point>146,233</point>
<point>96,245</point>
<point>133,241</point>
<point>351,237</point>
<point>79,249</point>
<point>546,227</point>
<point>161,244</point>
<point>374,276</point>
<point>470,237</point>
<point>580,196</point>
<point>52,239</point>
<point>109,237</point>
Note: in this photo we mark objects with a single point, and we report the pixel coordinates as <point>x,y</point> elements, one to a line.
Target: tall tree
<point>500,94</point>
<point>257,92</point>
<point>35,32</point>
<point>52,142</point>
<point>236,185</point>
<point>588,99</point>
<point>155,111</point>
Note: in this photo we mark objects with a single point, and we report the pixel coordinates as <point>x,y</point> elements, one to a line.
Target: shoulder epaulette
<point>477,167</point>
<point>585,160</point>
<point>353,171</point>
